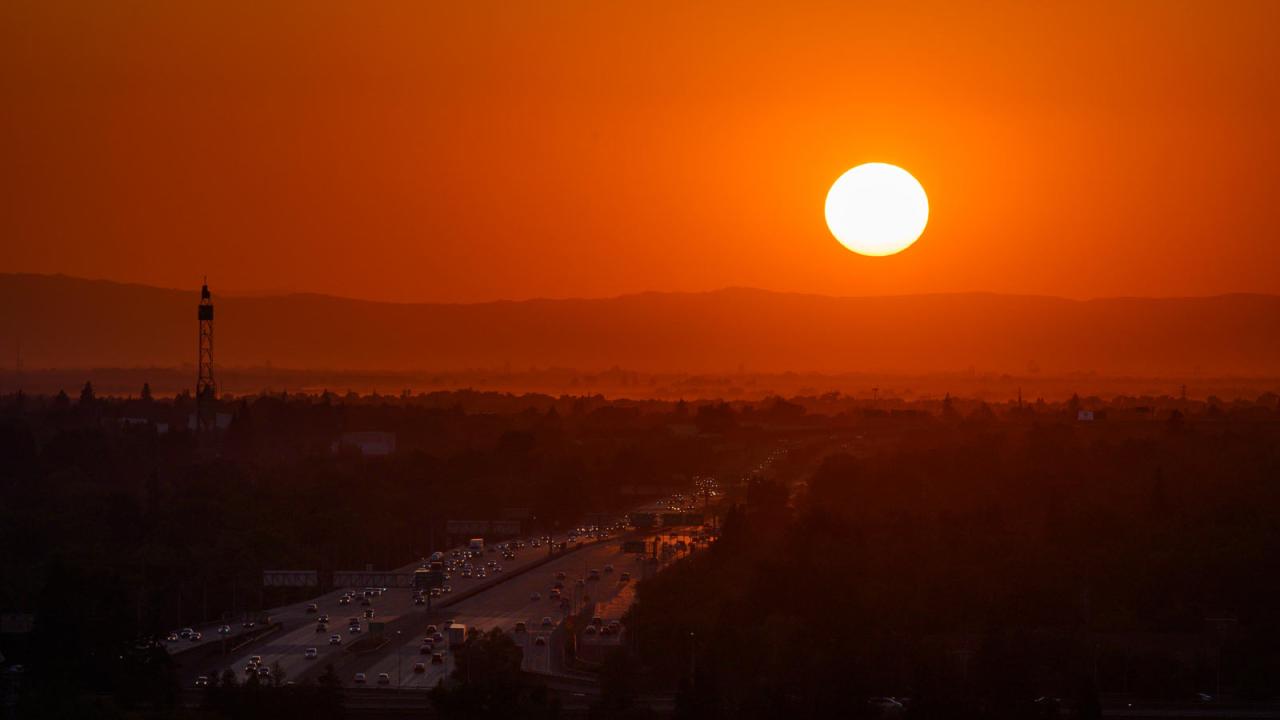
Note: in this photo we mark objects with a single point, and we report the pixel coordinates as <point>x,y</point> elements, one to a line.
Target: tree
<point>487,683</point>
<point>948,409</point>
<point>86,394</point>
<point>618,680</point>
<point>146,392</point>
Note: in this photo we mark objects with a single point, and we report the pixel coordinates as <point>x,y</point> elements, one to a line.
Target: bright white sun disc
<point>877,209</point>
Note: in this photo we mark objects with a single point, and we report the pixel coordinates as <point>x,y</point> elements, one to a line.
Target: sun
<point>877,209</point>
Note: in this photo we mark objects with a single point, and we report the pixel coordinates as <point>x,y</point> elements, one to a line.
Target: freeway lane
<point>287,646</point>
<point>512,601</point>
<point>505,605</point>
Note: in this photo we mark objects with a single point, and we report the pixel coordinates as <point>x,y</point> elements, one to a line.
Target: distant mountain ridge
<point>70,322</point>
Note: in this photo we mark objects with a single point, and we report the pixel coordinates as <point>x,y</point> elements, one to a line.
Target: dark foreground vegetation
<point>972,557</point>
<point>987,567</point>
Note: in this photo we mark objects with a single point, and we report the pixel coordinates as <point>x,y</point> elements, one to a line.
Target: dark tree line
<point>988,569</point>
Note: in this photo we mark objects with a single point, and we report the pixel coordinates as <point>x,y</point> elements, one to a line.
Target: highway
<point>508,601</point>
<point>513,601</point>
<point>298,632</point>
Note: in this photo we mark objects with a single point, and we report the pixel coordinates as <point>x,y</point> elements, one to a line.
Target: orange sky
<point>470,151</point>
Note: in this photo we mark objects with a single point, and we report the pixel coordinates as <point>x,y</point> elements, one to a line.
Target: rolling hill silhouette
<point>76,323</point>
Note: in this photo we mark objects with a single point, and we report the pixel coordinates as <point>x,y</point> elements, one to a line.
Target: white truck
<point>457,634</point>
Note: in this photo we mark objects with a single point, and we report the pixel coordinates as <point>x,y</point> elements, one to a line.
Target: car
<point>438,637</point>
<point>435,592</point>
<point>323,618</point>
<point>202,681</point>
<point>368,614</point>
<point>419,668</point>
<point>310,653</point>
<point>335,639</point>
<point>224,630</point>
<point>555,593</point>
<point>608,568</point>
<point>547,622</point>
<point>264,672</point>
<point>256,659</point>
<point>359,679</point>
<point>185,633</point>
<point>536,597</point>
<point>432,629</point>
<point>419,600</point>
<point>384,679</point>
<point>321,627</point>
<point>446,588</point>
<point>353,629</point>
<point>578,583</point>
<point>248,624</point>
<point>344,600</point>
<point>250,669</point>
<point>195,637</point>
<point>437,658</point>
<point>540,641</point>
<point>593,574</point>
<point>521,627</point>
<point>427,647</point>
<point>313,608</point>
<point>560,575</point>
<point>173,637</point>
<point>624,577</point>
<point>497,568</point>
<point>590,630</point>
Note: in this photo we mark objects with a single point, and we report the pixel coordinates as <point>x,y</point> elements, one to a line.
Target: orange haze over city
<point>460,152</point>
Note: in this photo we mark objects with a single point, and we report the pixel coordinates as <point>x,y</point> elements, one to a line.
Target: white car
<point>335,639</point>
<point>310,653</point>
<point>384,679</point>
<point>358,679</point>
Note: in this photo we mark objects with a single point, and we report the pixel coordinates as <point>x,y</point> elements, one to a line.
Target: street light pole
<point>693,661</point>
<point>399,647</point>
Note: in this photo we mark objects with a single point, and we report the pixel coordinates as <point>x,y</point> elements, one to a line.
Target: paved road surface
<point>288,645</point>
<point>512,602</point>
